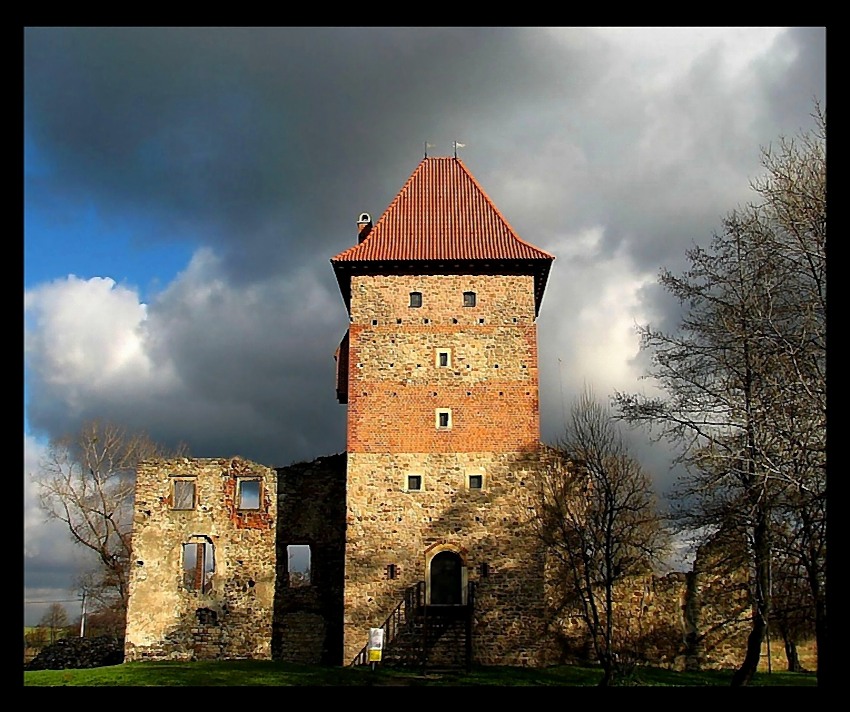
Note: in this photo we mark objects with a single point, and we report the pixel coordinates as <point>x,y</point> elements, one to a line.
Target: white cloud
<point>659,56</point>
<point>85,336</point>
<point>595,335</point>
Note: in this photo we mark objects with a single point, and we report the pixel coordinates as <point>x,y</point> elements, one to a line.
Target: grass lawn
<point>235,673</point>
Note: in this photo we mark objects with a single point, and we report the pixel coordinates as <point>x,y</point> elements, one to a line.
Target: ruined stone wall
<point>221,613</point>
<point>691,620</point>
<point>684,620</point>
<point>311,511</point>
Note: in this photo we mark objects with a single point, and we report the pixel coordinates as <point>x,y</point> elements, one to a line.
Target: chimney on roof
<point>364,227</point>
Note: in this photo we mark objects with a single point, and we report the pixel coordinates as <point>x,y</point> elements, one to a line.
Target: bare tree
<point>745,376</point>
<point>793,614</point>
<point>55,618</point>
<point>87,481</point>
<point>597,517</point>
<point>793,222</point>
<point>37,637</point>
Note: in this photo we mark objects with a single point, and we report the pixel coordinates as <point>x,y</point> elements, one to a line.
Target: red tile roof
<point>442,217</point>
<point>441,213</point>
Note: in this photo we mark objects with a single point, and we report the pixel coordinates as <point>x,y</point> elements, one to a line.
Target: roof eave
<point>538,268</point>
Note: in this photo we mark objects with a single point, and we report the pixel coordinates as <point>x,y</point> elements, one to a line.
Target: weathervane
<point>457,146</point>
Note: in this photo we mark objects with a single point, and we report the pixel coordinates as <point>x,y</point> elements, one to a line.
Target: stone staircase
<point>436,637</point>
<point>426,636</point>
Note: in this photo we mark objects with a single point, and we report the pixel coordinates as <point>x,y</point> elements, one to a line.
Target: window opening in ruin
<point>414,482</point>
<point>416,299</point>
<point>298,564</point>
<point>198,564</point>
<point>248,494</point>
<point>469,299</point>
<point>444,418</point>
<point>183,493</point>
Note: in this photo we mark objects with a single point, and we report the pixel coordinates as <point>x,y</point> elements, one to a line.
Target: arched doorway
<point>446,579</point>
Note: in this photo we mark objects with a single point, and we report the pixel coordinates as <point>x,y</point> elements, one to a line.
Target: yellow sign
<point>376,644</point>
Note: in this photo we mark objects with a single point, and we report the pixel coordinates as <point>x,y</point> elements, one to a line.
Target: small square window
<point>248,494</point>
<point>416,299</point>
<point>414,482</point>
<point>469,299</point>
<point>183,493</point>
<point>476,481</point>
<point>443,419</point>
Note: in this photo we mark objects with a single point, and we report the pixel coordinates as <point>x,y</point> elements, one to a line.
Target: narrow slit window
<point>416,299</point>
<point>184,492</point>
<point>444,418</point>
<point>299,565</point>
<point>392,571</point>
<point>469,299</point>
<point>444,358</point>
<point>248,494</point>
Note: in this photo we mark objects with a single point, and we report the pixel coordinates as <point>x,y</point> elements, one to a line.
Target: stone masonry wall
<point>684,620</point>
<point>388,524</point>
<point>698,619</point>
<point>311,511</point>
<point>231,617</point>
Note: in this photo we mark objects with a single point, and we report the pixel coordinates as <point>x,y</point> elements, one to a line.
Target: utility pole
<point>83,617</point>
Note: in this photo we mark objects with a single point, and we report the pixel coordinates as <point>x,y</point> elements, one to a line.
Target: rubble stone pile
<point>79,653</point>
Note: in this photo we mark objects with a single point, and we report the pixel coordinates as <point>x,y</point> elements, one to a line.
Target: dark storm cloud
<point>256,139</point>
<point>792,93</point>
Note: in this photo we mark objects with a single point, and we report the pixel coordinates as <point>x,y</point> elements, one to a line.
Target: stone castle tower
<point>431,500</point>
<point>439,371</point>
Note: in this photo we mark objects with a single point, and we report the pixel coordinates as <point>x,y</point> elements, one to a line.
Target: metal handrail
<point>399,619</point>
